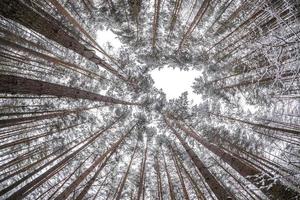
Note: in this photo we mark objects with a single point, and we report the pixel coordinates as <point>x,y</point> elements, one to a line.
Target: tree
<point>215,186</point>
<point>81,117</point>
<point>14,84</point>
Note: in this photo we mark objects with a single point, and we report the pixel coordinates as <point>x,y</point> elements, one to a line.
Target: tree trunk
<point>277,190</point>
<point>220,192</point>
<point>52,29</point>
<point>120,190</point>
<point>171,189</point>
<point>178,170</point>
<point>74,22</point>
<point>142,176</point>
<point>159,182</point>
<point>14,84</point>
<point>17,121</point>
<point>196,188</point>
<point>69,176</point>
<point>175,14</point>
<point>89,184</point>
<point>54,60</point>
<point>296,132</point>
<point>22,192</point>
<point>155,22</point>
<point>79,179</point>
<point>195,22</point>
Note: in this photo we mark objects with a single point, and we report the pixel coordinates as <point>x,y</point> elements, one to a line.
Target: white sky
<point>174,82</point>
<point>106,36</point>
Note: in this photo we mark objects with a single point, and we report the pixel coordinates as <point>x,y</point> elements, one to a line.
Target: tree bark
<point>293,131</point>
<point>52,29</point>
<point>195,22</point>
<point>220,192</point>
<point>22,192</point>
<point>52,59</point>
<point>178,170</point>
<point>142,174</point>
<point>155,22</point>
<point>159,182</point>
<point>171,189</point>
<point>79,179</point>
<point>196,188</point>
<point>120,190</point>
<point>89,184</point>
<point>277,190</point>
<point>14,84</point>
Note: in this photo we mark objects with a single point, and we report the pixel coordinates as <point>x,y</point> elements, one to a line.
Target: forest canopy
<point>81,118</point>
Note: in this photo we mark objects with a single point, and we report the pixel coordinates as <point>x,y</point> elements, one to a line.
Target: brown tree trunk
<point>242,168</point>
<point>52,59</point>
<point>297,132</point>
<point>120,190</point>
<point>178,170</point>
<point>142,175</point>
<point>100,187</point>
<point>52,29</point>
<point>195,22</point>
<point>238,181</point>
<point>18,39</point>
<point>223,8</point>
<point>159,182</point>
<point>69,176</point>
<point>215,186</point>
<point>73,21</point>
<point>79,179</point>
<point>155,22</point>
<point>196,188</point>
<point>175,14</point>
<point>14,84</point>
<point>31,138</point>
<point>171,189</point>
<point>89,184</point>
<point>17,121</point>
<point>22,192</point>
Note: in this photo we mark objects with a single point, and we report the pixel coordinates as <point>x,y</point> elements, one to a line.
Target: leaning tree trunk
<point>120,190</point>
<point>142,174</point>
<point>54,60</point>
<point>22,120</point>
<point>175,14</point>
<point>155,22</point>
<point>22,192</point>
<point>178,170</point>
<point>203,8</point>
<point>52,29</point>
<point>79,179</point>
<point>171,189</point>
<point>28,139</point>
<point>14,84</point>
<point>159,182</point>
<point>215,186</point>
<point>76,24</point>
<point>195,185</point>
<point>292,131</point>
<point>277,190</point>
<point>89,184</point>
<point>102,183</point>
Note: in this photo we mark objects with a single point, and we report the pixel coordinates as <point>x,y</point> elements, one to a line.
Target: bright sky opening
<point>175,81</point>
<point>108,41</point>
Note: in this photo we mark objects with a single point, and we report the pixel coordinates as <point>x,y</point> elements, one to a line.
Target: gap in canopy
<point>174,82</point>
<point>109,41</point>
